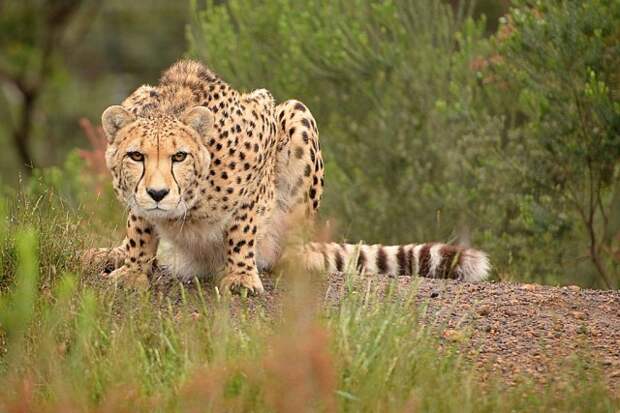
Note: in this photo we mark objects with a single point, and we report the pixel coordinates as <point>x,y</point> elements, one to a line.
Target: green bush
<point>69,209</point>
<point>559,61</point>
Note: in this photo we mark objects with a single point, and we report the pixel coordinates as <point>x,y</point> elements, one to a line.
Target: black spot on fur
<point>450,259</point>
<point>411,262</point>
<point>401,258</point>
<point>339,262</point>
<point>299,152</point>
<point>382,261</point>
<point>425,261</point>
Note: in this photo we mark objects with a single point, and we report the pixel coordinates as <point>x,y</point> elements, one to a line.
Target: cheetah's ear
<point>200,119</point>
<point>114,119</point>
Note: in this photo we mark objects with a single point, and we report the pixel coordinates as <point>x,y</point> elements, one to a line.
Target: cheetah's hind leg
<point>300,163</point>
<point>299,182</point>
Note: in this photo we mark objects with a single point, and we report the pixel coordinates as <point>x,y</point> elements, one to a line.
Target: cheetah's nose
<point>157,194</point>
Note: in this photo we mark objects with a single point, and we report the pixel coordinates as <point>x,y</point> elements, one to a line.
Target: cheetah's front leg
<point>241,271</point>
<point>140,248</point>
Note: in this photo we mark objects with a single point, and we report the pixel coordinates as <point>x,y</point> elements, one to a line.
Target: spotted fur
<point>217,176</point>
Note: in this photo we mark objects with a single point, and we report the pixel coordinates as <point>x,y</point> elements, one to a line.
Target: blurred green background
<point>492,123</point>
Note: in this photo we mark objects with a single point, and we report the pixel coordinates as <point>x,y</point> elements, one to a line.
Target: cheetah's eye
<point>136,156</point>
<point>179,157</point>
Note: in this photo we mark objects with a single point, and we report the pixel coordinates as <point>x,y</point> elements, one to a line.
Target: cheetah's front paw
<point>103,260</point>
<point>237,282</point>
<point>129,277</point>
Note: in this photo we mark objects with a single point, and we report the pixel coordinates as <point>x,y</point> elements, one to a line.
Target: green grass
<point>69,343</point>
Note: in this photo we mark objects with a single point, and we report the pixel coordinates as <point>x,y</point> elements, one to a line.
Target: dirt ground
<point>514,330</point>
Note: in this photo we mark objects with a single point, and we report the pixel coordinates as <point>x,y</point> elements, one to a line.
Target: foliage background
<point>485,123</point>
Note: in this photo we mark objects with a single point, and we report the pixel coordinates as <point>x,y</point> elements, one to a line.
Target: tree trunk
<point>21,135</point>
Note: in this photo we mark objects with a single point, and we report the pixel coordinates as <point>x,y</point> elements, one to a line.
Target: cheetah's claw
<point>242,284</point>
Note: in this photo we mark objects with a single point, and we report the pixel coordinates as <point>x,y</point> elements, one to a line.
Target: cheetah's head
<point>157,161</point>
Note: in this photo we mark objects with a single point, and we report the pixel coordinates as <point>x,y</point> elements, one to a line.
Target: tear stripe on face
<point>175,180</point>
<point>135,190</point>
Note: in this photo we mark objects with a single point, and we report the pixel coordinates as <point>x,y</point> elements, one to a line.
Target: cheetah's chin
<point>157,214</point>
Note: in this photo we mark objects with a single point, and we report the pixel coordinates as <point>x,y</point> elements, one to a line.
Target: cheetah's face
<point>157,162</point>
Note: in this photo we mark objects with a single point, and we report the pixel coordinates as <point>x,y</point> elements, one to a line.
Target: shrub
<point>559,61</point>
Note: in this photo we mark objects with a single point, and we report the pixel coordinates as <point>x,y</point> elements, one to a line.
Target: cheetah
<point>217,176</point>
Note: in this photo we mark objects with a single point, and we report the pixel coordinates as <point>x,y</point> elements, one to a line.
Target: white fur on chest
<point>194,249</point>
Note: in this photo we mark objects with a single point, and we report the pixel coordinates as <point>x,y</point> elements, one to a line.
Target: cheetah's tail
<point>433,260</point>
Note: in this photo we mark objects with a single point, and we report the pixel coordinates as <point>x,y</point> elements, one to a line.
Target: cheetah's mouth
<point>157,212</point>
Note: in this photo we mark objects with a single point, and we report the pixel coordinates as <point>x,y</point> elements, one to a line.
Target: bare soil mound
<point>527,329</point>
<point>514,330</point>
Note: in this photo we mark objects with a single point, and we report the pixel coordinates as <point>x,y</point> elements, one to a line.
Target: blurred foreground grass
<point>70,343</point>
